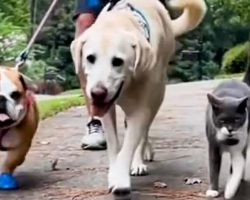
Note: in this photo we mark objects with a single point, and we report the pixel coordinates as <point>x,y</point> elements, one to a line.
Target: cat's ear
<point>213,100</point>
<point>242,104</point>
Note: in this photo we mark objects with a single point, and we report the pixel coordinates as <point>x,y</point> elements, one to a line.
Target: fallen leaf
<point>160,185</point>
<point>44,142</point>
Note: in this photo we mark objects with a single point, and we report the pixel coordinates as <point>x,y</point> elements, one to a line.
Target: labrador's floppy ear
<point>145,57</point>
<point>76,50</point>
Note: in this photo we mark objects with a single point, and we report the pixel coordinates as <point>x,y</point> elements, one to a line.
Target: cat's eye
<point>236,120</point>
<point>222,121</point>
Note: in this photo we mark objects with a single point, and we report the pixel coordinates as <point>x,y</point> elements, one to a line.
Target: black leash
<point>112,4</point>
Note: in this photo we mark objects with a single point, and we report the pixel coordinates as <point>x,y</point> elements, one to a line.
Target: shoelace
<point>95,126</point>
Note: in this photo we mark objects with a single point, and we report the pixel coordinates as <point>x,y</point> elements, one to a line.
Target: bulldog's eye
<point>117,62</point>
<point>15,95</point>
<point>91,58</point>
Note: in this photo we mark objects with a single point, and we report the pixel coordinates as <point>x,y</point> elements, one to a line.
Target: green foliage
<point>35,70</point>
<point>242,8</point>
<point>14,26</point>
<point>225,25</point>
<point>12,40</point>
<point>16,11</point>
<point>199,63</point>
<point>56,40</point>
<point>235,59</point>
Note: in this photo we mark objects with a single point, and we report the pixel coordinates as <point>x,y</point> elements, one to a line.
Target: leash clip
<point>21,59</point>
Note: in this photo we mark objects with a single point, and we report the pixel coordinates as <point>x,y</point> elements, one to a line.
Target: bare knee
<point>83,22</point>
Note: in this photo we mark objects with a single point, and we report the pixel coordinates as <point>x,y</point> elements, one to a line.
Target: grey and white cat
<point>227,130</point>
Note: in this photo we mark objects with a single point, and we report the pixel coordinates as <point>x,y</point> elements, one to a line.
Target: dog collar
<point>30,99</point>
<point>123,5</point>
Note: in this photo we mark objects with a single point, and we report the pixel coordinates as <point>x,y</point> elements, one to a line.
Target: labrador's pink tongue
<point>4,117</point>
<point>99,111</point>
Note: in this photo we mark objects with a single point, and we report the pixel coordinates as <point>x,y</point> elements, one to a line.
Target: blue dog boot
<point>8,182</point>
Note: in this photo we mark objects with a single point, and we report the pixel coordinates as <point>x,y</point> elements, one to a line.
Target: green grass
<point>230,76</point>
<point>49,108</point>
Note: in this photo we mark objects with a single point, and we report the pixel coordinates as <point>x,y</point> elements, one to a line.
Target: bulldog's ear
<point>27,83</point>
<point>145,57</point>
<point>76,49</point>
<point>23,82</point>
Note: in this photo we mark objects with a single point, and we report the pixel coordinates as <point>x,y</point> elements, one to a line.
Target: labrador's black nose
<point>230,129</point>
<point>99,93</point>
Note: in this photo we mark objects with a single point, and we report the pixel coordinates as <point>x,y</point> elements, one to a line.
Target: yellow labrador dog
<point>125,56</point>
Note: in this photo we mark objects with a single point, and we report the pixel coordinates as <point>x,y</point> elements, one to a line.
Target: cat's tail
<point>193,13</point>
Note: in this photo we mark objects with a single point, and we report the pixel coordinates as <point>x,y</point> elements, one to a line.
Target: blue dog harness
<point>123,5</point>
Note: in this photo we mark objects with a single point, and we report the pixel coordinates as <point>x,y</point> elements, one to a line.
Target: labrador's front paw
<point>119,183</point>
<point>139,170</point>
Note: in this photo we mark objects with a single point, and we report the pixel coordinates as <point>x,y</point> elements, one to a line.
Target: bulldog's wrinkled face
<point>12,97</point>
<point>108,62</point>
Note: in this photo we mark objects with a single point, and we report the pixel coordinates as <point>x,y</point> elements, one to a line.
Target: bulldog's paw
<point>8,182</point>
<point>139,170</point>
<point>212,193</point>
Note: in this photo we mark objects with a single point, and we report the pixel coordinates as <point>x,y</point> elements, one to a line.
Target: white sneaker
<point>94,138</point>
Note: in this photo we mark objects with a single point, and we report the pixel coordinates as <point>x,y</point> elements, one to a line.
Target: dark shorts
<point>89,6</point>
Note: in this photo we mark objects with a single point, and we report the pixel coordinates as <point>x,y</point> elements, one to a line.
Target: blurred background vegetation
<point>221,45</point>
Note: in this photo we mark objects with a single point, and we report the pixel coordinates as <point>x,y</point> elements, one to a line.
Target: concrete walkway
<point>180,151</point>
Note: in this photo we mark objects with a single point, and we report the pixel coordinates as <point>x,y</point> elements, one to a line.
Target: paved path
<point>178,138</point>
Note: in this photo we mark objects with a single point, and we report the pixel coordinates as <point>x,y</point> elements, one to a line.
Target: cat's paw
<point>149,153</point>
<point>212,193</point>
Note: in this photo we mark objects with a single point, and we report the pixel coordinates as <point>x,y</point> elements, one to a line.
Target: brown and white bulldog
<point>18,118</point>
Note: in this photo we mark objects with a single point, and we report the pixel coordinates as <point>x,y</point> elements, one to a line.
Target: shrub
<point>235,59</point>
